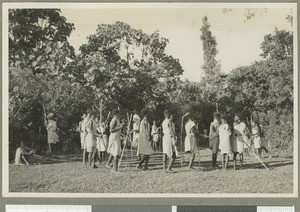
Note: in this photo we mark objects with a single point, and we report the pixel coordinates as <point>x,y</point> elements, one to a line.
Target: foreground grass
<point>67,174</point>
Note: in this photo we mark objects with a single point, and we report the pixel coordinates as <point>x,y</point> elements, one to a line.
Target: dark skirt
<point>214,144</point>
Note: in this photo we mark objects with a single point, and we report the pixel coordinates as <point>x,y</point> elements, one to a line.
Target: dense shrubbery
<point>148,80</point>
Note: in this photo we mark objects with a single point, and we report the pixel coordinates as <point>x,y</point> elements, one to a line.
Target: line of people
<point>228,140</point>
<point>235,140</point>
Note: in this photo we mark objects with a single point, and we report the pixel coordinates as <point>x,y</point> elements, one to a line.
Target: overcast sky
<point>238,40</point>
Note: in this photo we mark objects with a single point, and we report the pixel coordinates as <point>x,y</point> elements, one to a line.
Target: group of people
<point>99,138</point>
<point>237,140</point>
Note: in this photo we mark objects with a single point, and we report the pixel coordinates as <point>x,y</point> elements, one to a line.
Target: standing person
<point>90,140</point>
<point>190,142</point>
<point>214,137</point>
<point>256,136</point>
<point>84,132</point>
<point>114,143</point>
<point>225,146</point>
<point>264,142</point>
<point>52,134</point>
<point>155,136</point>
<point>136,129</point>
<point>168,146</point>
<point>144,147</point>
<point>103,140</point>
<point>247,141</point>
<point>239,130</point>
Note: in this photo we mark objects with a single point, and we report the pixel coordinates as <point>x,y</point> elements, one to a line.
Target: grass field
<point>67,174</point>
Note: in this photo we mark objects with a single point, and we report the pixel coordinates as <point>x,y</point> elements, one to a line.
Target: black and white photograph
<point>149,100</point>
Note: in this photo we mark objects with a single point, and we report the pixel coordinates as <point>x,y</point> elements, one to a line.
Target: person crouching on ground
<point>169,149</point>
<point>21,154</point>
<point>144,147</point>
<point>114,143</point>
<point>225,146</point>
<point>214,138</point>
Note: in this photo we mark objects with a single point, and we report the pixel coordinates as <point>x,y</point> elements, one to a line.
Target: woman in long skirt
<point>155,136</point>
<point>90,141</point>
<point>103,141</point>
<point>224,135</point>
<point>52,134</point>
<point>190,142</point>
<point>214,138</point>
<point>256,136</point>
<point>169,148</point>
<point>238,139</point>
<point>144,147</point>
<point>114,143</point>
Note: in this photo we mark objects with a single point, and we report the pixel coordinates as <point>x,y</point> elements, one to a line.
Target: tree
<point>277,46</point>
<point>211,65</point>
<point>38,39</point>
<point>125,64</point>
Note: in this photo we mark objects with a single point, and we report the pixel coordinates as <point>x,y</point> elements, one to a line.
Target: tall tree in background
<point>211,66</point>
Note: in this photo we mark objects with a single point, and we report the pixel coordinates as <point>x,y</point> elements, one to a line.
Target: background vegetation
<point>129,69</point>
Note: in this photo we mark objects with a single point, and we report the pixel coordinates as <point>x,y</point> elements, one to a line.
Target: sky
<point>238,40</point>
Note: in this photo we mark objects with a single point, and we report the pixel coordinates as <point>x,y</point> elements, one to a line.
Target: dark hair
<point>167,113</point>
<point>225,117</point>
<point>239,115</point>
<point>115,112</point>
<point>144,112</point>
<point>216,115</point>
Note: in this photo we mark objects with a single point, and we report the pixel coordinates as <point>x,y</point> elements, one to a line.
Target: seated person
<point>21,154</point>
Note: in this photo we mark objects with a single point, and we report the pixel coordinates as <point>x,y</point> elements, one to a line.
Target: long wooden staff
<point>256,156</point>
<point>125,140</point>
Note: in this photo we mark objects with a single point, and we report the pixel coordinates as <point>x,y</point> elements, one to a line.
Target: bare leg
<point>50,152</point>
<point>83,156</point>
<point>234,160</point>
<point>23,157</point>
<point>109,161</point>
<point>192,160</point>
<point>241,160</point>
<point>223,161</point>
<point>164,161</point>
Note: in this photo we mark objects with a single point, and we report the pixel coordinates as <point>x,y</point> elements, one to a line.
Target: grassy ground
<point>67,174</point>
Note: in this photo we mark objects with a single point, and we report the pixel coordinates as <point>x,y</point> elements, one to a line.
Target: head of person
<point>116,113</point>
<point>92,114</point>
<point>154,122</point>
<point>136,118</point>
<point>144,113</point>
<point>237,117</point>
<point>22,144</point>
<point>50,116</point>
<point>88,112</point>
<point>83,116</point>
<point>224,118</point>
<point>216,116</point>
<point>254,122</point>
<point>167,114</point>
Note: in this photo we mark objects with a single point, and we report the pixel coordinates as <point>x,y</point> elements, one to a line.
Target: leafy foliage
<point>211,66</point>
<point>38,39</point>
<point>277,46</point>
